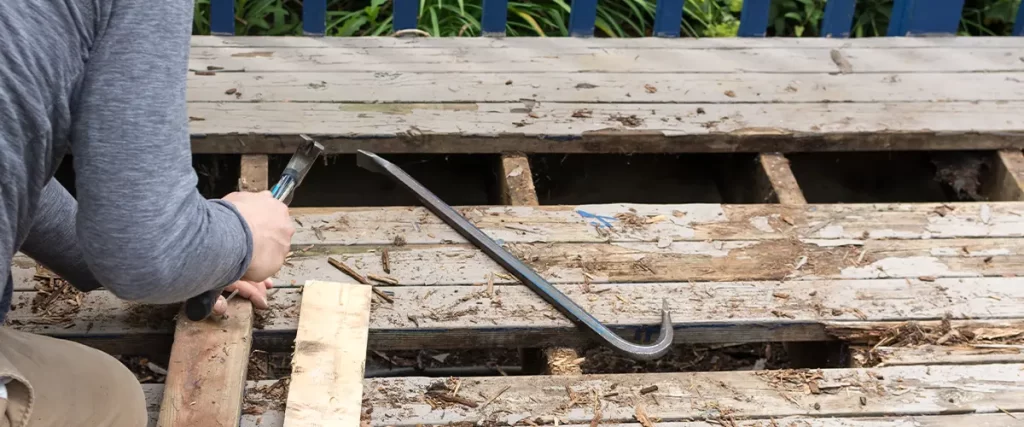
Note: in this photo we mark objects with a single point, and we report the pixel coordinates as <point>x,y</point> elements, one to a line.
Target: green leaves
<point>615,18</point>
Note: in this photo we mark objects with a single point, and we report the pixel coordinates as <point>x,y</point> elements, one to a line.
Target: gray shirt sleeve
<point>52,241</point>
<point>144,230</point>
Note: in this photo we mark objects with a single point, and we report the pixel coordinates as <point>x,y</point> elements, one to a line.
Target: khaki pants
<point>61,383</point>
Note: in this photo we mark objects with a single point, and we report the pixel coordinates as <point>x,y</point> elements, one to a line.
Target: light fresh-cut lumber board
<point>987,392</point>
<point>326,386</point>
<point>622,88</point>
<point>271,127</point>
<point>209,359</point>
<point>556,43</point>
<point>731,312</point>
<point>585,60</point>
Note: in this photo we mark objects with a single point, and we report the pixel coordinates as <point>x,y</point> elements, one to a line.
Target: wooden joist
<point>209,358</point>
<point>845,397</point>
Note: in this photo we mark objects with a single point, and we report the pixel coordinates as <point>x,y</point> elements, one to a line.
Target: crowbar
<point>521,271</point>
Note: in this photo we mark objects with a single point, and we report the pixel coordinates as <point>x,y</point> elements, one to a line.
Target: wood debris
<point>631,120</point>
<point>583,113</point>
<point>641,416</point>
<point>344,268</point>
<point>385,260</point>
<point>650,88</point>
<point>383,279</point>
<point>649,389</point>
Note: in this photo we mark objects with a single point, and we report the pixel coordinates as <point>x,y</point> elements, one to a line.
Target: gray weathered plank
<point>623,88</point>
<point>468,317</point>
<point>599,43</point>
<point>634,60</point>
<point>967,354</point>
<point>271,127</point>
<point>555,43</point>
<point>861,394</point>
<point>664,261</point>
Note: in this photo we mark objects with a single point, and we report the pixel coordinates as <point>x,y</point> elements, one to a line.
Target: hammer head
<point>304,157</point>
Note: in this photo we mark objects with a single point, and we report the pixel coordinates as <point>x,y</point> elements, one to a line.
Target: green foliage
<point>615,18</point>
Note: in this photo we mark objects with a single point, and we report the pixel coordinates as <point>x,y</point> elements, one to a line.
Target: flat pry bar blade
<point>521,271</point>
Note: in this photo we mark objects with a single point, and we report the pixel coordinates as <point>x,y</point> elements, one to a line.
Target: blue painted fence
<point>909,17</point>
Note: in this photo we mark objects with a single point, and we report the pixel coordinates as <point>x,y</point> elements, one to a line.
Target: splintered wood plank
<point>967,354</point>
<point>985,391</point>
<point>586,60</point>
<point>271,417</point>
<point>514,317</point>
<point>1007,182</point>
<point>623,88</point>
<point>776,171</point>
<point>330,348</point>
<point>517,183</point>
<point>683,222</point>
<point>209,358</point>
<point>269,127</point>
<point>603,43</point>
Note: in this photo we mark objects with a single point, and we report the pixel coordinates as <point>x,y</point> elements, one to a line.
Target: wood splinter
<point>344,268</point>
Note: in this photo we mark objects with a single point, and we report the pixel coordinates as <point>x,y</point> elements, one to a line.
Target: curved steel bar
<point>521,271</point>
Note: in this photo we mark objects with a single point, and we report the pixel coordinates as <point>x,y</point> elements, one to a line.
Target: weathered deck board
<point>925,236</point>
<point>665,261</point>
<point>467,317</point>
<point>621,88</point>
<point>273,127</point>
<point>862,395</point>
<point>553,43</point>
<point>634,59</point>
<point>950,355</point>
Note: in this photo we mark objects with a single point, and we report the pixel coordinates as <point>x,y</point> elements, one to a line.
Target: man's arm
<point>145,231</point>
<point>52,241</point>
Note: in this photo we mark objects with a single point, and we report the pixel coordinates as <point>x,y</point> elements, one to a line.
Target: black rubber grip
<point>199,307</point>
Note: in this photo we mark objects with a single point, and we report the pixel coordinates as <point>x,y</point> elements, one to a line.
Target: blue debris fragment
<point>602,220</point>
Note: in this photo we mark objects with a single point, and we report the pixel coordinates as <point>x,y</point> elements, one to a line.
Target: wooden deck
<point>581,95</point>
<point>925,294</point>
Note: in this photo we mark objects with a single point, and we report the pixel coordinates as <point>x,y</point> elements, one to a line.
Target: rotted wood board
<point>513,316</point>
<point>925,238</point>
<point>667,261</point>
<point>966,354</point>
<point>270,127</point>
<point>846,397</point>
<point>618,88</point>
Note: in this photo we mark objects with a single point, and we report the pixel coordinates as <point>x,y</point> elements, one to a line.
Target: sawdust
<point>913,334</point>
<point>159,317</point>
<point>631,120</point>
<point>146,370</point>
<point>56,301</point>
<point>687,358</point>
<point>266,397</point>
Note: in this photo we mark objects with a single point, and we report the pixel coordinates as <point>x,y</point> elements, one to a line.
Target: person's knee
<point>126,399</point>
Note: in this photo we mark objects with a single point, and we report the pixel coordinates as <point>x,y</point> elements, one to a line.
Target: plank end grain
<point>329,360</point>
<point>205,375</point>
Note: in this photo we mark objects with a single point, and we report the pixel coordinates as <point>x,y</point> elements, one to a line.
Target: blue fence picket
<point>754,18</point>
<point>838,18</point>
<point>406,13</point>
<point>1018,25</point>
<point>917,17</point>
<point>222,17</point>
<point>668,17</point>
<point>582,17</point>
<point>495,17</point>
<point>314,17</point>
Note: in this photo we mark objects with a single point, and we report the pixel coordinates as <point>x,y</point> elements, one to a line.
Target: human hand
<point>272,232</point>
<point>254,291</point>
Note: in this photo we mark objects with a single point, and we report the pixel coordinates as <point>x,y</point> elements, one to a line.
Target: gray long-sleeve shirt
<point>104,80</point>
